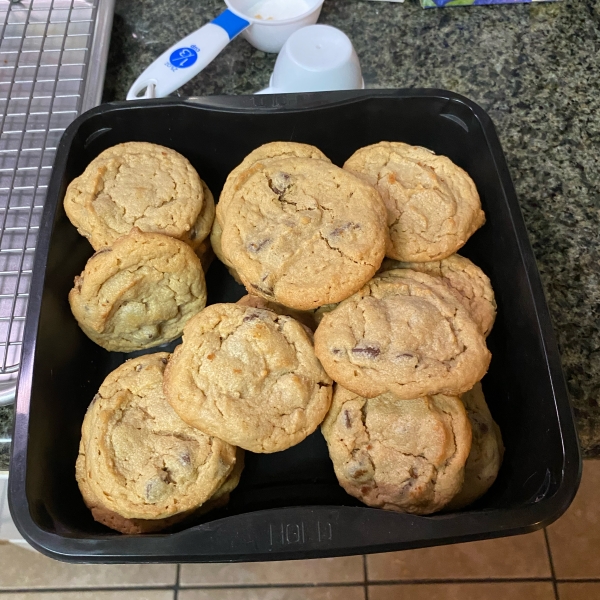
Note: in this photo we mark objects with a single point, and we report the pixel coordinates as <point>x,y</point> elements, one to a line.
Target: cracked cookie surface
<point>137,458</point>
<point>265,152</point>
<point>402,455</point>
<point>469,284</point>
<point>140,293</point>
<point>248,376</point>
<point>432,204</point>
<point>135,184</point>
<point>487,450</point>
<point>402,333</point>
<point>304,233</point>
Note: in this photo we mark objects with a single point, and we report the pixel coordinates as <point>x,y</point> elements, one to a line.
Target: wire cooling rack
<point>52,62</point>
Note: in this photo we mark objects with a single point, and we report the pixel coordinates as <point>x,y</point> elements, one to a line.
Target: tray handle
<point>276,102</point>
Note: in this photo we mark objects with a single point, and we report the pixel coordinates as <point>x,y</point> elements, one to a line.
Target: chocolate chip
<point>348,421</point>
<point>336,351</point>
<point>347,227</point>
<point>483,428</point>
<point>258,246</point>
<point>165,476</point>
<point>164,361</point>
<point>149,489</point>
<point>185,459</point>
<point>366,351</point>
<point>262,290</point>
<point>280,182</point>
<point>251,317</point>
<point>358,474</point>
<point>413,473</point>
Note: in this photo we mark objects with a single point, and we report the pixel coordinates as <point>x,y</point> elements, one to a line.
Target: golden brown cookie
<point>135,184</point>
<point>304,233</point>
<point>432,204</point>
<point>487,450</point>
<point>469,284</point>
<point>140,293</point>
<point>249,374</point>
<point>402,333</point>
<point>137,458</point>
<point>260,154</point>
<point>402,455</point>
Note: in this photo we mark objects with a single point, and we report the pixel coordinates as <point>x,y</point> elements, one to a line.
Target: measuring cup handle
<point>188,57</point>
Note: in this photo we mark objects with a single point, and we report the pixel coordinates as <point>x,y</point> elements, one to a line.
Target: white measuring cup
<point>266,24</point>
<point>317,58</point>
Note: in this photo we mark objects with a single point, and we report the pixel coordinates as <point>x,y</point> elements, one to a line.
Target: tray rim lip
<point>537,515</point>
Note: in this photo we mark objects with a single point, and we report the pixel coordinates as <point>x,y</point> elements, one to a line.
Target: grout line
<point>49,590</point>
<point>254,586</point>
<point>259,586</point>
<point>551,561</point>
<point>177,580</point>
<point>366,576</point>
<point>132,588</point>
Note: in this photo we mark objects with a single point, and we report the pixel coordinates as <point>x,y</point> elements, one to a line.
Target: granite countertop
<point>535,68</point>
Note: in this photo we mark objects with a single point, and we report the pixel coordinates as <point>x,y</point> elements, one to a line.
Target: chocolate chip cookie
<point>304,233</point>
<point>139,293</point>
<point>402,455</point>
<point>432,204</point>
<point>249,376</point>
<point>402,333</point>
<point>135,184</point>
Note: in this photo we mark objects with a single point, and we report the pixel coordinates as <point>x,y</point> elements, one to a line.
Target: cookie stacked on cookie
<point>142,469</point>
<point>148,215</point>
<point>405,350</point>
<point>364,257</point>
<point>404,337</point>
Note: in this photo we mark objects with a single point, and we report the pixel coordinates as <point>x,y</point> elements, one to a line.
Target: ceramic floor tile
<point>324,570</point>
<point>23,569</point>
<point>302,593</point>
<point>128,595</point>
<point>575,537</point>
<point>579,591</point>
<point>464,591</point>
<point>522,556</point>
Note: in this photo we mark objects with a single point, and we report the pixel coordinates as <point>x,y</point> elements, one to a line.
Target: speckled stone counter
<point>535,68</point>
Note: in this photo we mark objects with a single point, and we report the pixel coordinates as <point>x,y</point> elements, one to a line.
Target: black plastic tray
<point>289,505</point>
